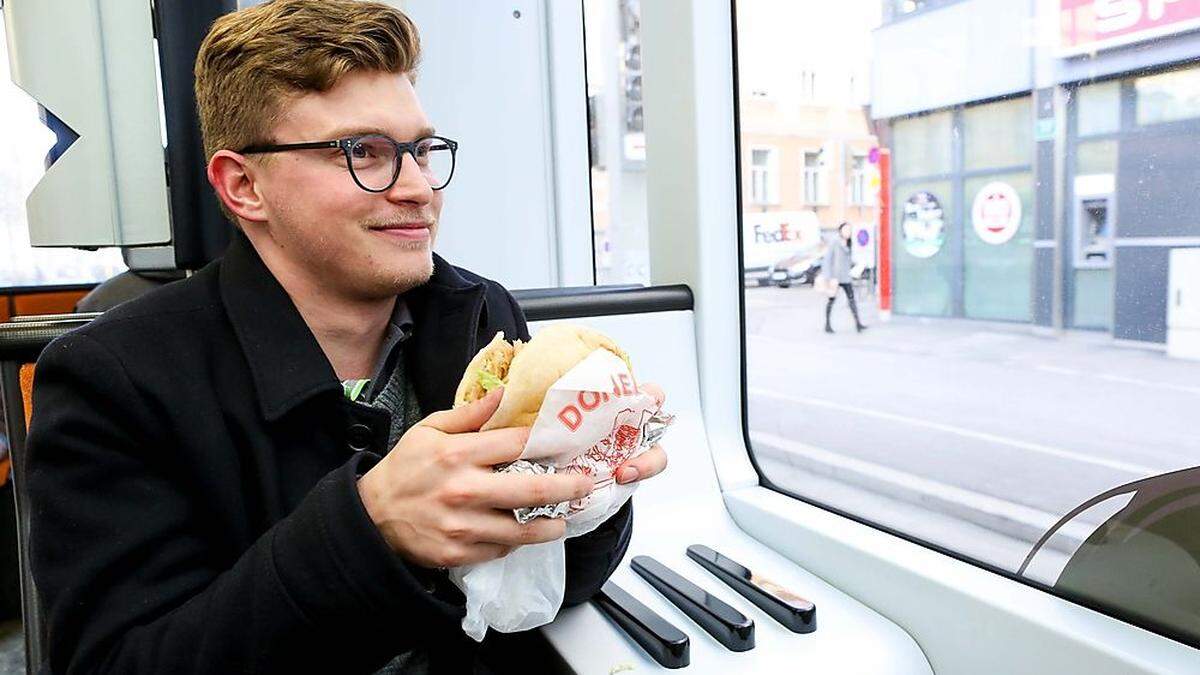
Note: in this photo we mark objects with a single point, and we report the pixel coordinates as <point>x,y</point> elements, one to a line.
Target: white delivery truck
<point>769,238</point>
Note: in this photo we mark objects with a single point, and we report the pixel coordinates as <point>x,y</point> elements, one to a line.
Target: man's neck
<point>349,331</point>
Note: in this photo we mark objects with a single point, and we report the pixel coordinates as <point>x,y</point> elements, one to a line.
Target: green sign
<point>1043,130</point>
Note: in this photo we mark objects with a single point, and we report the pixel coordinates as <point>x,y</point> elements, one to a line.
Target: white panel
<point>683,506</point>
<point>967,51</point>
<point>692,200</point>
<point>967,620</point>
<point>1183,304</point>
<point>484,82</point>
<point>91,63</point>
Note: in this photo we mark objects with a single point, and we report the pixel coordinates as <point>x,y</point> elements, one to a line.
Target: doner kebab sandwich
<point>527,371</point>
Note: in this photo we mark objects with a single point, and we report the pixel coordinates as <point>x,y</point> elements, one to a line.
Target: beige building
<point>807,156</point>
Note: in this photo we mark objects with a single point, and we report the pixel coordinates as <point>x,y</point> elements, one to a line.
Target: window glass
<point>998,247</point>
<point>618,141</point>
<point>1099,107</point>
<point>764,176</point>
<point>814,182</point>
<point>984,409</point>
<point>1096,157</point>
<point>998,134</point>
<point>924,263</point>
<point>24,142</point>
<point>1168,97</point>
<point>923,146</point>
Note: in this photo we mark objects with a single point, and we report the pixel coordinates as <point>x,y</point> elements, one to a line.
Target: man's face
<point>358,244</point>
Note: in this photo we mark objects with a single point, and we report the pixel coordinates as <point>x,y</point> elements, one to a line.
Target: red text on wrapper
<point>571,415</point>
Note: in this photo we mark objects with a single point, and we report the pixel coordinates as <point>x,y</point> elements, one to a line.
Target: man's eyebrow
<point>346,132</point>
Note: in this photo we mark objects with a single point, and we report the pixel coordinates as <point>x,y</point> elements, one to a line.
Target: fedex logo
<point>776,235</point>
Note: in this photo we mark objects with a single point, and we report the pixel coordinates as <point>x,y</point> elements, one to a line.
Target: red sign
<point>1090,25</point>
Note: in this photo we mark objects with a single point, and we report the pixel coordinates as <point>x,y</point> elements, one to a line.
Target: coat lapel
<point>447,315</point>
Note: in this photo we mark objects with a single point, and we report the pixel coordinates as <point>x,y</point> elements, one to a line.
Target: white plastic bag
<point>592,420</point>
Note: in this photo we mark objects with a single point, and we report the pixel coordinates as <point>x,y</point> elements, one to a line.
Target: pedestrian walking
<point>835,267</point>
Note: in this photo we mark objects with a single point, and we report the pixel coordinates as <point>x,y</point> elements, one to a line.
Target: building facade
<point>1043,157</point>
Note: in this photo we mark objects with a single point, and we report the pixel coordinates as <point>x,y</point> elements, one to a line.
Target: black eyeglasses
<point>374,159</point>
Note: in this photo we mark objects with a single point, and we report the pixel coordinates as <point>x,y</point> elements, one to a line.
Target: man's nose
<point>411,185</point>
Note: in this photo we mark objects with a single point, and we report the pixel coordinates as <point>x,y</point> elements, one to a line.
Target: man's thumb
<point>467,418</point>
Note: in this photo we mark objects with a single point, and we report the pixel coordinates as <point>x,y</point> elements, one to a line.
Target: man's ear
<point>233,178</point>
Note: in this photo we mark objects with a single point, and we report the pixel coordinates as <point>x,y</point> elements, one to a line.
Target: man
<point>215,488</point>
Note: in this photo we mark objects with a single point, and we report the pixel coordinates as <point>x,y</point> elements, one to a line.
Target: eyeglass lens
<point>374,163</point>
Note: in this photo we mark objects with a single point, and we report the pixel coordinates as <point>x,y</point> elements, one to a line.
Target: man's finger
<point>646,465</point>
<point>467,418</point>
<point>494,446</point>
<point>484,551</point>
<point>514,491</point>
<point>500,527</point>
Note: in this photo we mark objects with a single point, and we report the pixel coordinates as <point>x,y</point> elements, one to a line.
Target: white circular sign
<point>996,213</point>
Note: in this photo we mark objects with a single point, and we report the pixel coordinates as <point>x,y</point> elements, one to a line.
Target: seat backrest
<point>20,345</point>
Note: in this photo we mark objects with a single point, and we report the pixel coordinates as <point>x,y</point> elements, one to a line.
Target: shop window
<point>1099,107</point>
<point>998,247</point>
<point>998,134</point>
<point>1096,157</point>
<point>1168,97</point>
<point>923,146</point>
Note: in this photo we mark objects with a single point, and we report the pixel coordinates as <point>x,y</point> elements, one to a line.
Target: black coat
<point>192,471</point>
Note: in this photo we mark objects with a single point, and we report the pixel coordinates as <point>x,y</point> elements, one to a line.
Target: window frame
<point>764,479</point>
<point>767,173</point>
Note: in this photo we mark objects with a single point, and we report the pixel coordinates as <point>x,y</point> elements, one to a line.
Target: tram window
<point>984,408</point>
<point>24,144</point>
<point>618,141</point>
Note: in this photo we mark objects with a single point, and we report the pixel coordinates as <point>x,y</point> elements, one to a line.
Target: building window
<point>808,85</point>
<point>859,194</point>
<point>814,178</point>
<point>764,176</point>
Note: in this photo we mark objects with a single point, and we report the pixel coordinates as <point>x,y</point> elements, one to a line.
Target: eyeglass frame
<point>345,144</point>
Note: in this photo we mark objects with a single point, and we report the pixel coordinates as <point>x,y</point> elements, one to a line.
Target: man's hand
<point>438,503</point>
<point>651,462</point>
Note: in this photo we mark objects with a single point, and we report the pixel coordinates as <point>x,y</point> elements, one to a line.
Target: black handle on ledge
<point>729,626</point>
<point>794,612</point>
<point>662,640</point>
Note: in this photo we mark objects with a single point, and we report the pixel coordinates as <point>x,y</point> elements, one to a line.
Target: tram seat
<point>21,341</point>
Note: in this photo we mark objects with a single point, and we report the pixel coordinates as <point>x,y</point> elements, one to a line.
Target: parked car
<point>800,268</point>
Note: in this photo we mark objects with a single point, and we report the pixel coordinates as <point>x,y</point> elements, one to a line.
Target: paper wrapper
<point>592,420</point>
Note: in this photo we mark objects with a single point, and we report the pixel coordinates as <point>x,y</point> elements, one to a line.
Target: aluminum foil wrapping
<point>629,438</point>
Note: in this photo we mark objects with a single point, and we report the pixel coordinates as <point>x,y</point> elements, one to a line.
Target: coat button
<point>358,437</point>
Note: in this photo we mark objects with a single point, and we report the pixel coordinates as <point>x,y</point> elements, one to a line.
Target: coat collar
<point>286,361</point>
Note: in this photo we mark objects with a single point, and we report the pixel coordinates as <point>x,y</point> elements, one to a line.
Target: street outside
<point>976,436</point>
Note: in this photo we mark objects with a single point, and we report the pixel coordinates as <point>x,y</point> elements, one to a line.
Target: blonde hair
<point>255,59</point>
